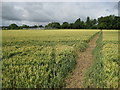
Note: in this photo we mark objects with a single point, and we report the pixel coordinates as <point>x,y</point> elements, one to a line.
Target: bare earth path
<point>84,61</point>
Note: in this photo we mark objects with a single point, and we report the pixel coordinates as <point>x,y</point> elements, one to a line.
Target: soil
<point>83,62</point>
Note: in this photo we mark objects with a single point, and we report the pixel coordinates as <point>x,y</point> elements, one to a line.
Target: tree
<point>41,26</point>
<point>23,26</point>
<point>93,24</point>
<point>65,25</point>
<point>13,26</point>
<point>35,26</point>
<point>77,24</point>
<point>88,23</point>
<point>5,27</point>
<point>116,22</point>
<point>71,25</point>
<point>107,22</point>
<point>53,25</point>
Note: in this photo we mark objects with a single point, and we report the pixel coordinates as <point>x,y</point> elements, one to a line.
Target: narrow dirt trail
<point>84,61</point>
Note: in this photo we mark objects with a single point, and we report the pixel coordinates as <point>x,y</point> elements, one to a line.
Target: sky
<point>42,13</point>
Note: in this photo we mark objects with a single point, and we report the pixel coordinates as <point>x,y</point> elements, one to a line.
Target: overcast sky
<point>32,13</point>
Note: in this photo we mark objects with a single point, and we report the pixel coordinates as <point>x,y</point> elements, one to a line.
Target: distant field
<point>47,35</point>
<point>111,35</point>
<point>41,58</point>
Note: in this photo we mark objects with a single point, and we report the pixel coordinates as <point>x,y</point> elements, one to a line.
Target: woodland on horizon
<point>106,22</point>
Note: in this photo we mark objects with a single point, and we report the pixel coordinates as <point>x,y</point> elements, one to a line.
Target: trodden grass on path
<point>84,61</point>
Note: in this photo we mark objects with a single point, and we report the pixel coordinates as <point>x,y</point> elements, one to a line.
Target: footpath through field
<point>84,61</point>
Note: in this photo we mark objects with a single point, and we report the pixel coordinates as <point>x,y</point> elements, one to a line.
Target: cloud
<point>44,12</point>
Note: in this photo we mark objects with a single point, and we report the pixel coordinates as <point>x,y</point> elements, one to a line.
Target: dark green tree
<point>35,26</point>
<point>107,22</point>
<point>41,26</point>
<point>13,26</point>
<point>88,23</point>
<point>65,25</point>
<point>23,26</point>
<point>53,25</point>
<point>77,24</point>
<point>93,24</point>
<point>71,25</point>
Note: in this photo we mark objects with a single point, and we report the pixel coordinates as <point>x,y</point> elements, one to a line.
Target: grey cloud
<point>43,13</point>
<point>9,12</point>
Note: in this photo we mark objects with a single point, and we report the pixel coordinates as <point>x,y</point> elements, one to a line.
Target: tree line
<point>106,22</point>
